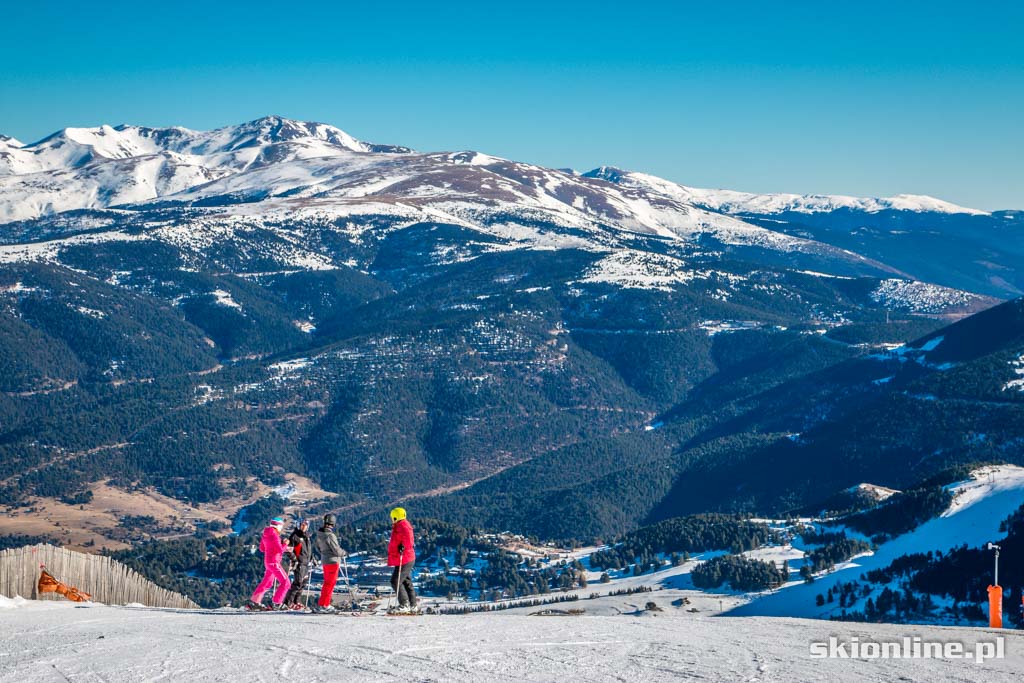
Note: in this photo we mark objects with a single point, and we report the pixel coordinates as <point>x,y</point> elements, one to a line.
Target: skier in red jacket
<point>401,556</point>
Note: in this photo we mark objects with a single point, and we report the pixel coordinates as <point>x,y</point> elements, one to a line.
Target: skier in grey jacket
<point>331,555</point>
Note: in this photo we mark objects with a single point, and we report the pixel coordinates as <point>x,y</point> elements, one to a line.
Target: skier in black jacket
<point>302,549</point>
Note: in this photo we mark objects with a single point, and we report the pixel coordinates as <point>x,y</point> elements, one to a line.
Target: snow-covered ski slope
<point>979,505</point>
<point>59,642</point>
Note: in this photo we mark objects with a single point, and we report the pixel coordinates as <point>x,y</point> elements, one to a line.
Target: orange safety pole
<point>995,606</point>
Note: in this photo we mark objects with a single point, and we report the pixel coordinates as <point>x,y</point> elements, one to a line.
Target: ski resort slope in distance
<point>979,505</point>
<point>60,642</point>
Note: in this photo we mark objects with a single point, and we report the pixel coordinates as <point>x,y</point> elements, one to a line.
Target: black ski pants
<point>401,581</point>
<point>299,583</point>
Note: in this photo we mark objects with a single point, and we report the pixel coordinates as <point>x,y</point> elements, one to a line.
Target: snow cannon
<point>995,594</point>
<point>995,606</point>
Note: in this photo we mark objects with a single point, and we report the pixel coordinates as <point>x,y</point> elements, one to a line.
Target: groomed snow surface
<point>61,642</point>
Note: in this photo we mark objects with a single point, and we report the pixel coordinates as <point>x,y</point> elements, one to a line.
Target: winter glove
<point>401,549</point>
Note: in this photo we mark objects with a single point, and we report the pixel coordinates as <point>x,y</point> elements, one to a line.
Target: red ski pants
<point>330,578</point>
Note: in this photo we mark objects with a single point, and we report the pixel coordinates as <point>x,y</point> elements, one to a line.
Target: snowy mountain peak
<point>8,141</point>
<point>609,173</point>
<point>274,129</point>
<point>73,148</point>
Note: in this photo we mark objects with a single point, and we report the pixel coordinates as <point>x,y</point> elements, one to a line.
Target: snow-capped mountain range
<point>89,168</point>
<point>77,147</point>
<point>275,170</point>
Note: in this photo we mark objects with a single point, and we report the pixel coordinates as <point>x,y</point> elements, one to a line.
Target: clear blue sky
<point>872,98</point>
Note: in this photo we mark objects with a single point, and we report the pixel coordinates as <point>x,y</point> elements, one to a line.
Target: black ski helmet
<point>329,519</point>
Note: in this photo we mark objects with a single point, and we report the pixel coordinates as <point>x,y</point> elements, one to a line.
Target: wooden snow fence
<point>107,580</point>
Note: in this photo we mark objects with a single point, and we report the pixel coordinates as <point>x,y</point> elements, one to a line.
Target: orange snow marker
<point>995,606</point>
<point>48,584</point>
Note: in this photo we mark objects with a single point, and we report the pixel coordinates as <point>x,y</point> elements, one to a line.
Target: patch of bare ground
<point>98,524</point>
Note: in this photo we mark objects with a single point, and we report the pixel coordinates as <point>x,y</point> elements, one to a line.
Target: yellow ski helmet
<point>397,515</point>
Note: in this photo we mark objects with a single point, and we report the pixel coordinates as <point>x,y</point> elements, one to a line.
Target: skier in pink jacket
<point>273,547</point>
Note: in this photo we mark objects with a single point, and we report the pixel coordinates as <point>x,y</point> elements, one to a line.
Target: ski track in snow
<point>59,641</point>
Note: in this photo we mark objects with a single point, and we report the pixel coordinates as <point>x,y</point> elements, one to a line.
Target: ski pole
<point>305,589</point>
<point>398,579</point>
<point>348,581</point>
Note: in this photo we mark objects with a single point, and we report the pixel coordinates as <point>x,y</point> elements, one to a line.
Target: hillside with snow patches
<point>1018,369</point>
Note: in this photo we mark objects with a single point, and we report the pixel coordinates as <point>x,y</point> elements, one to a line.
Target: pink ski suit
<point>273,548</point>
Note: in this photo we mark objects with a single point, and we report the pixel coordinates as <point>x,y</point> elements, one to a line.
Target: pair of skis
<point>370,611</point>
<point>373,609</point>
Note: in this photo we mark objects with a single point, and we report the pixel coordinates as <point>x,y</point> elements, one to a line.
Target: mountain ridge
<point>135,141</point>
<point>738,203</point>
